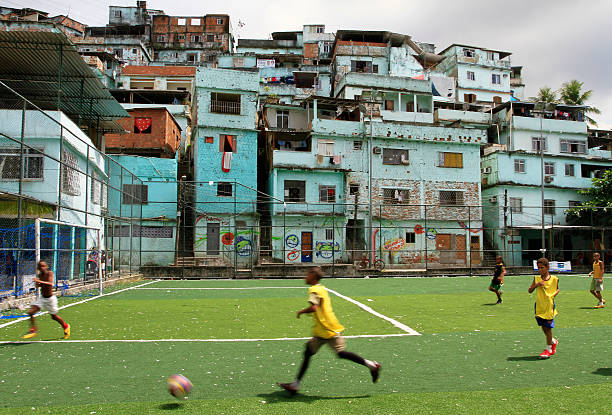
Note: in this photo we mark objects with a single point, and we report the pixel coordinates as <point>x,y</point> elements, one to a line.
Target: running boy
<point>46,301</point>
<point>326,330</point>
<point>547,287</point>
<point>498,278</point>
<point>597,281</point>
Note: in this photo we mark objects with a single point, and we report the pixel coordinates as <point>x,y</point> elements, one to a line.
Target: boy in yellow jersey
<point>597,281</point>
<point>547,287</point>
<point>326,330</point>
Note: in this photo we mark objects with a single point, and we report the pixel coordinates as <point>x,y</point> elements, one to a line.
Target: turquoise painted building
<point>225,166</point>
<point>515,202</point>
<point>150,200</point>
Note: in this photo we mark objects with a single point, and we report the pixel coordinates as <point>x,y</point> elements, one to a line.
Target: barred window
<point>395,196</point>
<point>516,204</point>
<point>325,147</point>
<point>104,196</point>
<point>135,194</point>
<point>70,174</point>
<point>357,145</point>
<point>295,191</point>
<point>549,206</point>
<point>10,163</point>
<point>327,193</point>
<point>224,189</point>
<point>353,188</point>
<point>549,169</point>
<point>96,189</point>
<point>410,237</point>
<point>395,156</point>
<point>329,234</point>
<point>569,170</point>
<point>538,143</point>
<point>450,198</point>
<point>153,231</point>
<point>519,165</point>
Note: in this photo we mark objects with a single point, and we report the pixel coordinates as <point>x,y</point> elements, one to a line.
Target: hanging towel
<point>226,164</point>
<point>319,158</point>
<point>337,159</point>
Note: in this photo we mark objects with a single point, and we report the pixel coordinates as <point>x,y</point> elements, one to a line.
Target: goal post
<point>60,245</point>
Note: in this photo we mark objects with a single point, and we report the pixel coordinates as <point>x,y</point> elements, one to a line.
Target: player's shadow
<point>284,396</point>
<point>490,304</point>
<point>603,371</point>
<point>14,344</point>
<point>525,358</point>
<point>588,308</point>
<point>170,406</point>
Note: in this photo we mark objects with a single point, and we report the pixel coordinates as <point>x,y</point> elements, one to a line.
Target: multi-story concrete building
<point>225,166</point>
<point>527,191</point>
<point>482,75</point>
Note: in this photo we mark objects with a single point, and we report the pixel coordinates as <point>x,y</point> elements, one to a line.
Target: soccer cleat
<point>67,332</point>
<point>545,354</point>
<point>289,387</point>
<point>375,372</point>
<point>499,301</point>
<point>31,334</point>
<point>554,346</point>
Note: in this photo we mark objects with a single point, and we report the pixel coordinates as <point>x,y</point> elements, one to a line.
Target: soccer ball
<point>179,386</point>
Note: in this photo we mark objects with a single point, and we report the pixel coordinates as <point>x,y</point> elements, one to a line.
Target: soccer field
<point>444,346</point>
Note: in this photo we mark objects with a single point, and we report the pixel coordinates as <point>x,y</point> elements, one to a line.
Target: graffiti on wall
<point>292,241</point>
<point>417,257</point>
<point>244,247</point>
<point>227,238</point>
<point>394,244</point>
<point>326,249</point>
<point>431,233</point>
<point>293,255</point>
<point>464,226</point>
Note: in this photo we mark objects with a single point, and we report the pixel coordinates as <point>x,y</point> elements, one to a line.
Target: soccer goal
<point>73,252</point>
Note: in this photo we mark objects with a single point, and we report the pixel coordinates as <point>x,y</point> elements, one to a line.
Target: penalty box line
<point>78,302</point>
<point>360,336</point>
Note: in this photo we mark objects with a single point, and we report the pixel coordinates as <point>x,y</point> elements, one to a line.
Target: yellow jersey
<point>545,301</point>
<point>598,269</point>
<point>326,325</point>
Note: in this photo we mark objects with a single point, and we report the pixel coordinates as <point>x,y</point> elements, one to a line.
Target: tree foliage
<point>571,94</point>
<point>598,209</point>
<point>545,94</point>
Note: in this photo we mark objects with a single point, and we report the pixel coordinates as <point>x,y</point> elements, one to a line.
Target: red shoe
<point>289,387</point>
<point>554,346</point>
<point>545,354</point>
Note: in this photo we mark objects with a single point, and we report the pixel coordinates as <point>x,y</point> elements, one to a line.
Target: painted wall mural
<point>292,241</point>
<point>326,249</point>
<point>293,255</point>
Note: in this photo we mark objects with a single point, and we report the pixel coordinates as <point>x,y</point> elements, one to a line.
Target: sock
<point>549,347</point>
<point>555,341</point>
<point>370,364</point>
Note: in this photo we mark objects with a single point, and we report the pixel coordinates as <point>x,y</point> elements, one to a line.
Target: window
<point>538,143</point>
<point>153,231</point>
<point>224,189</point>
<point>357,145</point>
<point>282,119</point>
<point>182,21</point>
<point>219,20</point>
<point>374,68</point>
<point>228,143</point>
<point>196,38</point>
<point>295,191</point>
<point>10,163</point>
<point>195,22</point>
<point>389,104</point>
<point>490,55</point>
<point>210,38</point>
<point>395,156</point>
<point>519,165</point>
<point>142,125</point>
<point>574,203</point>
<point>117,13</point>
<point>395,196</point>
<point>320,29</point>
<point>119,53</point>
<point>325,147</point>
<point>569,170</point>
<point>410,237</point>
<point>450,198</point>
<point>327,193</point>
<point>516,205</point>
<point>496,78</point>
<point>225,103</point>
<point>135,194</point>
<point>70,175</point>
<point>469,53</point>
<point>192,57</point>
<point>450,160</point>
<point>361,66</point>
<point>549,206</point>
<point>471,76</point>
<point>353,189</point>
<point>161,38</point>
<point>549,169</point>
<point>573,146</point>
<point>469,98</point>
<point>327,47</point>
<point>181,37</point>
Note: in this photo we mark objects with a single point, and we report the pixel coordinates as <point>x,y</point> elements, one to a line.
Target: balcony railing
<point>225,107</point>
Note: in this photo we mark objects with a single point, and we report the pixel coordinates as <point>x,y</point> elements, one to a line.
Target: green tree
<point>571,94</point>
<point>545,94</point>
<point>598,209</point>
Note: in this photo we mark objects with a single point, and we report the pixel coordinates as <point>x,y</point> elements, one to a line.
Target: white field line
<point>78,302</point>
<point>362,336</point>
<point>396,323</point>
<point>212,288</point>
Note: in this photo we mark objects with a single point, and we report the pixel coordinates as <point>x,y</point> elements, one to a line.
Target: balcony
<point>225,107</point>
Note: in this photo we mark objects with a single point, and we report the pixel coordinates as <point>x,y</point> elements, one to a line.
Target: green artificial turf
<point>473,357</point>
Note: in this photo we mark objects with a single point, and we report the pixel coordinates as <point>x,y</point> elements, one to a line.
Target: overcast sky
<point>554,41</point>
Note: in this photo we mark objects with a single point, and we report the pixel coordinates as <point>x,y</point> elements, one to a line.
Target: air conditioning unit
<point>548,179</point>
<point>376,150</point>
<point>486,170</point>
<point>493,199</point>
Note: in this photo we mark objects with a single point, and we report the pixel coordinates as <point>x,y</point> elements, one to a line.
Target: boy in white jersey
<point>547,287</point>
<point>326,330</point>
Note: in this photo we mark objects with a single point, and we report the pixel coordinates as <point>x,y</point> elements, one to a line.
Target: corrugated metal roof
<point>45,68</point>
